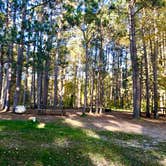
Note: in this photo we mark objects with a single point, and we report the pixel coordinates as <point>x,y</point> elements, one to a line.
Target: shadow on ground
<point>42,144</point>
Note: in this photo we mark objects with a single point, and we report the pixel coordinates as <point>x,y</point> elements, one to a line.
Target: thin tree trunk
<point>155,84</point>
<point>61,91</point>
<point>92,91</point>
<point>101,65</point>
<point>56,69</point>
<point>46,82</point>
<point>18,77</point>
<point>3,91</point>
<point>34,86</point>
<point>75,86</point>
<point>47,67</point>
<point>79,88</point>
<point>1,68</point>
<point>141,82</point>
<point>25,96</point>
<point>146,76</point>
<point>33,78</point>
<point>135,65</point>
<point>97,93</point>
<point>39,89</point>
<point>86,79</point>
<point>9,76</point>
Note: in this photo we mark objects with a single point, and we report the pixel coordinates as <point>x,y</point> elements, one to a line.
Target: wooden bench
<point>41,111</point>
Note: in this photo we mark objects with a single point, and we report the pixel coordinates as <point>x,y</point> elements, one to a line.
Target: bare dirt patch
<point>113,121</point>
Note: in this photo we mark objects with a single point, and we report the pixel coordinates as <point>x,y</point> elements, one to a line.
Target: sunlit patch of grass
<point>1,128</point>
<point>74,122</point>
<point>92,134</point>
<point>123,136</point>
<point>41,125</point>
<point>61,142</point>
<point>98,159</point>
<point>38,163</point>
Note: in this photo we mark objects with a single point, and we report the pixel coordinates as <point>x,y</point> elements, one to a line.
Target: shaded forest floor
<point>110,139</point>
<point>112,121</point>
<point>56,143</point>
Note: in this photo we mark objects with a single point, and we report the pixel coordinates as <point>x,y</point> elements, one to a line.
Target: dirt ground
<point>112,121</point>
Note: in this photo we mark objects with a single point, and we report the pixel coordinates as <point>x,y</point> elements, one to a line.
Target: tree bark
<point>155,69</point>
<point>134,60</point>
<point>1,68</point>
<point>75,86</point>
<point>25,96</point>
<point>33,87</point>
<point>92,90</point>
<point>56,69</point>
<point>101,82</point>
<point>146,76</point>
<point>46,82</point>
<point>39,89</point>
<point>86,78</point>
<point>20,59</point>
<point>141,82</point>
<point>8,78</point>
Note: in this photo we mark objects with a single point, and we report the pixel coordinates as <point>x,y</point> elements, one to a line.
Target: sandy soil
<point>113,121</point>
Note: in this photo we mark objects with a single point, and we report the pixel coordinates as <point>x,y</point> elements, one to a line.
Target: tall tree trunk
<point>92,91</point>
<point>134,60</point>
<point>1,68</point>
<point>79,87</point>
<point>141,81</point>
<point>18,76</point>
<point>20,59</point>
<point>155,66</point>
<point>155,83</point>
<point>39,88</point>
<point>47,66</point>
<point>25,96</point>
<point>62,74</point>
<point>33,77</point>
<point>10,60</point>
<point>86,77</point>
<point>75,85</point>
<point>101,86</point>
<point>146,76</point>
<point>8,77</point>
<point>5,97</point>
<point>56,69</point>
<point>97,93</point>
<point>46,82</point>
<point>33,87</point>
<point>3,91</point>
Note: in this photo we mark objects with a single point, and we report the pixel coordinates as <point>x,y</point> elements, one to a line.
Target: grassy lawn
<point>38,144</point>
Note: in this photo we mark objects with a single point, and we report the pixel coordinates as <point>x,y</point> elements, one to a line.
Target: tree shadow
<point>25,143</point>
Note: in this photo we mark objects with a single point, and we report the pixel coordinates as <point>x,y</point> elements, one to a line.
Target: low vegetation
<point>38,144</point>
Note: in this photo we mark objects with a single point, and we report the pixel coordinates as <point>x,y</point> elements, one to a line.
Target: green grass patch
<point>124,136</point>
<point>34,144</point>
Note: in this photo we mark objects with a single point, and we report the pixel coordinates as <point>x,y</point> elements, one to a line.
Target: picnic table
<point>162,109</point>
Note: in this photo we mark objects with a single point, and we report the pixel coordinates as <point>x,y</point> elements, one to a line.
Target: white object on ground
<point>32,118</point>
<point>20,109</point>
